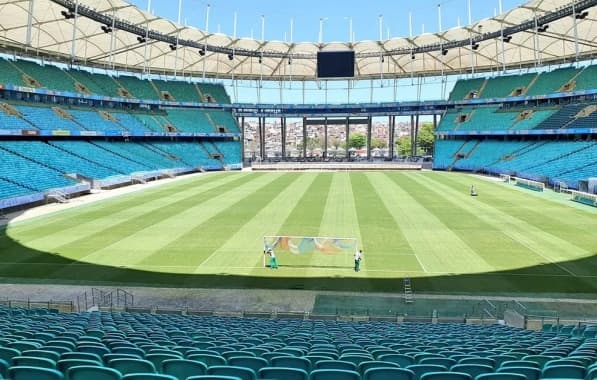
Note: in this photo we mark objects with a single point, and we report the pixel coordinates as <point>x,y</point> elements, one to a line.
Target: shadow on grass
<point>21,264</point>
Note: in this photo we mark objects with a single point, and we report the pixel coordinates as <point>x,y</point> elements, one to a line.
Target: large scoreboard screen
<point>335,64</point>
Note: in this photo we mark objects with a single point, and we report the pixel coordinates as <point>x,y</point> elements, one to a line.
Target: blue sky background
<point>336,14</point>
<point>306,15</point>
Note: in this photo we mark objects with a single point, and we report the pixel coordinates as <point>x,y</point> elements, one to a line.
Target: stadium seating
<point>157,337</point>
<point>504,86</point>
<point>28,174</point>
<point>224,119</point>
<point>9,74</point>
<point>178,91</point>
<point>464,87</point>
<point>190,120</point>
<point>48,76</point>
<point>140,89</point>
<point>567,161</point>
<point>552,82</point>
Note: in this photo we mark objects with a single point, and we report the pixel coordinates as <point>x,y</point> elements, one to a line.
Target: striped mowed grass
<point>207,231</point>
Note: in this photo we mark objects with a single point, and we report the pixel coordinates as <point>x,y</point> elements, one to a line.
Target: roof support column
<point>283,137</point>
<point>30,22</point>
<point>304,139</point>
<point>347,136</point>
<point>242,139</point>
<point>325,138</point>
<point>391,133</point>
<point>369,125</point>
<point>74,39</point>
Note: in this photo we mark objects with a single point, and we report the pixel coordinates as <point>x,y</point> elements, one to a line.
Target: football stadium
<point>190,191</point>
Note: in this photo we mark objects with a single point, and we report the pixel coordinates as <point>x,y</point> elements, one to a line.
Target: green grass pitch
<point>207,231</point>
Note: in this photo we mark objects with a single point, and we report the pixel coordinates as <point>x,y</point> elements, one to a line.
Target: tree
<point>426,138</point>
<point>357,140</point>
<point>378,143</point>
<point>404,146</point>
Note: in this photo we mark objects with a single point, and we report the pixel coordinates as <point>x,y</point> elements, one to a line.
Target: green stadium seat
<point>563,372</point>
<point>208,360</point>
<point>446,362</point>
<point>334,374</point>
<point>501,376</point>
<point>400,359</point>
<point>291,362</point>
<point>135,351</point>
<point>531,373</point>
<point>93,349</point>
<point>7,353</point>
<point>183,368</point>
<point>64,364</point>
<point>539,359</point>
<point>148,376</point>
<point>421,369</point>
<point>157,359</point>
<point>33,373</point>
<point>225,370</point>
<point>472,369</point>
<point>488,361</point>
<point>127,366</point>
<point>92,373</point>
<point>336,364</point>
<point>229,354</point>
<point>387,373</point>
<point>81,355</point>
<point>3,368</point>
<point>283,373</point>
<point>254,363</point>
<point>42,354</point>
<point>213,377</point>
<point>32,361</point>
<point>446,376</point>
<point>520,363</point>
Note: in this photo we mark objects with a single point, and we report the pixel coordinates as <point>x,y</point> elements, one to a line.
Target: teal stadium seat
<point>127,366</point>
<point>336,364</point>
<point>334,374</point>
<point>241,372</point>
<point>33,373</point>
<point>254,363</point>
<point>183,368</point>
<point>387,373</point>
<point>283,373</point>
<point>32,361</point>
<point>147,376</point>
<point>92,373</point>
<point>501,376</point>
<point>446,376</point>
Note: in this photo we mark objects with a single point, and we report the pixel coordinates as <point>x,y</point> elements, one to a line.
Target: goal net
<point>310,251</point>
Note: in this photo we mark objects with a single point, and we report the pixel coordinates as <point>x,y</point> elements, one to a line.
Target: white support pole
<point>235,19</point>
<point>177,36</point>
<point>112,38</point>
<point>350,33</point>
<point>470,26</point>
<point>410,34</point>
<point>575,21</point>
<point>291,42</point>
<point>320,39</point>
<point>500,10</point>
<point>29,37</point>
<point>74,38</point>
<point>205,39</point>
<point>380,22</point>
<point>537,52</point>
<point>441,41</point>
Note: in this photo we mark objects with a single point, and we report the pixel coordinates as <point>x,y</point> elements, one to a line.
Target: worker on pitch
<point>273,263</point>
<point>473,191</point>
<point>358,256</point>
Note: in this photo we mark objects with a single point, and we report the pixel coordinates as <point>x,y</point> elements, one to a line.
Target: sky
<point>336,16</point>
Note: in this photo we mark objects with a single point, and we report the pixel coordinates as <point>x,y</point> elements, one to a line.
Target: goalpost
<point>310,251</point>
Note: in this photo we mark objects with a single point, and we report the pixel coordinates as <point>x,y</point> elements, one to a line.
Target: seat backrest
<point>388,373</point>
<point>336,364</point>
<point>183,368</point>
<point>208,359</point>
<point>446,376</point>
<point>42,354</point>
<point>33,362</point>
<point>248,362</point>
<point>37,373</point>
<point>421,369</point>
<point>563,372</point>
<point>226,370</point>
<point>532,373</point>
<point>283,373</point>
<point>291,362</point>
<point>334,374</point>
<point>86,372</point>
<point>401,359</point>
<point>126,366</point>
<point>501,376</point>
<point>81,355</point>
<point>472,369</point>
<point>147,376</point>
<point>64,364</point>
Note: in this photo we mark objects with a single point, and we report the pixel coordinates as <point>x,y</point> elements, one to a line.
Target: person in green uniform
<point>273,263</point>
<point>358,256</point>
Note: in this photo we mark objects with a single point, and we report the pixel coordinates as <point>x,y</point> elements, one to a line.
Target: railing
<point>59,306</point>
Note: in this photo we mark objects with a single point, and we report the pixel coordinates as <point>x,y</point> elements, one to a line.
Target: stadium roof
<point>111,33</point>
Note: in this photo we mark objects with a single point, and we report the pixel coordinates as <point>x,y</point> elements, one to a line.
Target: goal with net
<point>311,251</point>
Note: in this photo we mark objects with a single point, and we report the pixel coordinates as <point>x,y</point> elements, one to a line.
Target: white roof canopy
<point>51,35</point>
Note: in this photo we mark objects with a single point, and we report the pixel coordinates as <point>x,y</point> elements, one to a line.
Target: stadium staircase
<point>408,291</point>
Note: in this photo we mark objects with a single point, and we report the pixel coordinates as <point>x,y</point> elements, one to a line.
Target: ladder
<point>408,291</point>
